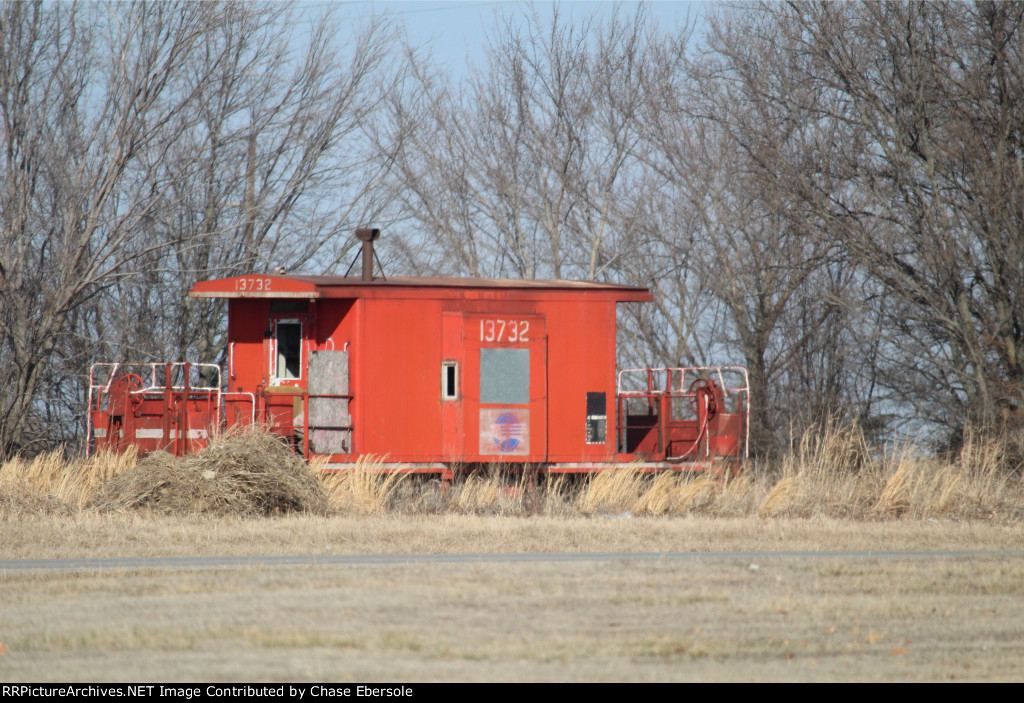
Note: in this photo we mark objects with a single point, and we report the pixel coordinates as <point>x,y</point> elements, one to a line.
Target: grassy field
<point>758,618</point>
<point>732,620</point>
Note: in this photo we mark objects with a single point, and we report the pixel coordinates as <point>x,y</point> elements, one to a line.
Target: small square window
<point>450,380</point>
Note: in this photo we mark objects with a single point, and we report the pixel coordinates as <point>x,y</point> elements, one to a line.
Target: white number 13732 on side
<point>508,331</point>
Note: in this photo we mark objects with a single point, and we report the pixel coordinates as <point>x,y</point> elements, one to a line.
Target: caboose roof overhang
<point>296,286</point>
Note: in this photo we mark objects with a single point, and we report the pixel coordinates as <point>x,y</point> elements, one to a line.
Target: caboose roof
<point>296,286</point>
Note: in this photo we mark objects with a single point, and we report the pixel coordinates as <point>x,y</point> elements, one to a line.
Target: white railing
<point>739,390</point>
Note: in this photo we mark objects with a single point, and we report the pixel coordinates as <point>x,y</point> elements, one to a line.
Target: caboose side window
<point>289,350</point>
<point>450,380</point>
<point>597,418</point>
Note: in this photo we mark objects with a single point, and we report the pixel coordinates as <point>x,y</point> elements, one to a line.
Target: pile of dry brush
<point>250,474</point>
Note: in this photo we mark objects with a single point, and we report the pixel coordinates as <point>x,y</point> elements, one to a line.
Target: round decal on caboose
<point>505,431</point>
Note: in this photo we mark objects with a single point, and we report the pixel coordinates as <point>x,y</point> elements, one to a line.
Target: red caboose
<point>436,374</point>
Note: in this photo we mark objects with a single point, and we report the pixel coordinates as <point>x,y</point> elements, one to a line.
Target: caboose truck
<point>437,375</point>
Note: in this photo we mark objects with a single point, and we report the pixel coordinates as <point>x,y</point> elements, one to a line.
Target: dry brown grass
<point>617,490</point>
<point>366,489</point>
<point>831,472</point>
<point>52,484</point>
<point>776,618</point>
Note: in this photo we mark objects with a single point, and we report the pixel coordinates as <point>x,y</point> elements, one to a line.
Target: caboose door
<point>494,388</point>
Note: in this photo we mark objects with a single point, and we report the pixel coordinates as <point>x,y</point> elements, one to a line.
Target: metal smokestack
<point>367,236</point>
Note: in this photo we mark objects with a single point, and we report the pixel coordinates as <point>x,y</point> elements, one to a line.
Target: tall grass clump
<point>631,490</point>
<point>366,488</point>
<point>833,472</point>
<point>506,490</point>
<point>611,491</point>
<point>978,482</point>
<point>51,483</point>
<point>829,471</point>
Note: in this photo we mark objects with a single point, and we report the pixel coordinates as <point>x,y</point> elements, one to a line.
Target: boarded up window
<point>330,425</point>
<point>505,376</point>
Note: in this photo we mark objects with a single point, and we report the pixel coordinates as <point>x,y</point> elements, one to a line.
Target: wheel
<point>701,390</point>
<point>133,382</point>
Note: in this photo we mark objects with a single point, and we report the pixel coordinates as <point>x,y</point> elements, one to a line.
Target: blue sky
<point>454,30</point>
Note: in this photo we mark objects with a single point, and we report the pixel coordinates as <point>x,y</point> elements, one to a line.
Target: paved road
<point>340,560</point>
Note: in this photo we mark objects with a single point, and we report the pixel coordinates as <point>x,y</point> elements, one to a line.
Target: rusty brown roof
<point>284,286</point>
<point>429,282</point>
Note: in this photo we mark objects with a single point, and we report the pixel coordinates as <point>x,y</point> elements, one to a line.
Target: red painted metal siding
<point>406,341</point>
<point>526,355</point>
<point>247,322</point>
<point>398,401</point>
<point>581,359</point>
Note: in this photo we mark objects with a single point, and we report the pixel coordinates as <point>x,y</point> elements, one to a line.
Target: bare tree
<point>273,171</point>
<point>872,195</point>
<point>146,145</point>
<point>833,190</point>
<point>936,210</point>
<point>780,289</point>
<point>532,170</point>
<point>83,92</point>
